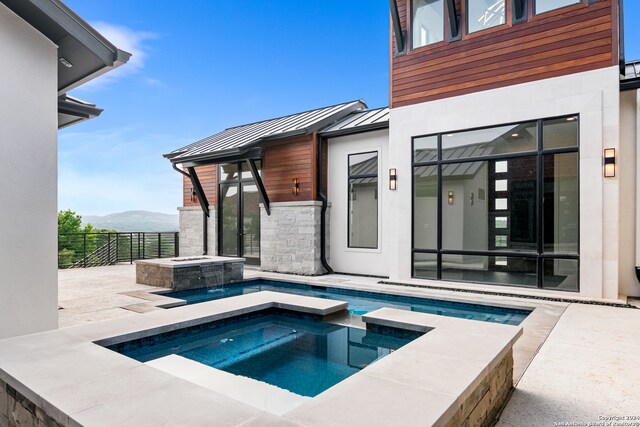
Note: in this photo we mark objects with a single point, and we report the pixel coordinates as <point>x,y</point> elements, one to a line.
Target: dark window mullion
<point>508,253</point>
<point>418,164</point>
<point>539,203</point>
<point>562,150</point>
<point>363,176</point>
<point>496,157</point>
<point>439,210</point>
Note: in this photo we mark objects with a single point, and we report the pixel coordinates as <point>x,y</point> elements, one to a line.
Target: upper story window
<point>542,6</point>
<point>428,22</point>
<point>483,14</point>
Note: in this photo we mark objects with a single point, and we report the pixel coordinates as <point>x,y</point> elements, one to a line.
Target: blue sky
<point>201,66</point>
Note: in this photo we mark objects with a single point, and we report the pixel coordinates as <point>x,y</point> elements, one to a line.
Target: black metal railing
<point>80,250</point>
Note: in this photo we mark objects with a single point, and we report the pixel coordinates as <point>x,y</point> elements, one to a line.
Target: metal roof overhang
<point>88,52</point>
<point>249,151</point>
<point>83,53</point>
<point>630,80</point>
<point>630,84</point>
<point>359,129</point>
<point>72,110</point>
<point>247,145</point>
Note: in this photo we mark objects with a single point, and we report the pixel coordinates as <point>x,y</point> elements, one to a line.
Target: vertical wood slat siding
<point>208,179</point>
<point>573,39</point>
<point>283,161</point>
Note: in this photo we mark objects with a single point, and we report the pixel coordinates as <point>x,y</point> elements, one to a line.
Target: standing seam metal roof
<point>632,70</point>
<point>354,122</point>
<point>244,136</point>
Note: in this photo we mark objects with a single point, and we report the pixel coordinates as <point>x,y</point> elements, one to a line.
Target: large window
<point>542,6</point>
<point>363,200</point>
<point>483,14</point>
<point>498,205</point>
<point>427,22</point>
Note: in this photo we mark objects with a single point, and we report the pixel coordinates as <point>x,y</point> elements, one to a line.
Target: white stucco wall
<point>352,260</point>
<point>595,96</point>
<point>28,178</point>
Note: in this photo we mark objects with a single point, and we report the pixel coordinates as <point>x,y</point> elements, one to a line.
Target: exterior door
<point>250,223</point>
<point>238,213</point>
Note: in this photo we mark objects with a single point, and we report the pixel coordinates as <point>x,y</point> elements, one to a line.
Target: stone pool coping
<point>74,381</point>
<point>537,325</point>
<point>183,262</point>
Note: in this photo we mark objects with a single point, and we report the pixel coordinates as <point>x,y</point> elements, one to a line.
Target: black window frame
<point>445,30</point>
<point>536,13</point>
<point>466,19</point>
<point>539,254</point>
<point>239,182</point>
<point>359,176</point>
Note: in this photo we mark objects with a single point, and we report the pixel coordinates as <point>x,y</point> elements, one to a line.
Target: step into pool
<point>360,302</point>
<point>303,356</point>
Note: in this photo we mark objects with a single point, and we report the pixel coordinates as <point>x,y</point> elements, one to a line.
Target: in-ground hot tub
<point>184,273</point>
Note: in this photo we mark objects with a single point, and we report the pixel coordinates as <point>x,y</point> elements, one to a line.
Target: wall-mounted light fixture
<point>66,63</point>
<point>450,197</point>
<point>609,162</point>
<point>393,179</point>
<point>296,187</point>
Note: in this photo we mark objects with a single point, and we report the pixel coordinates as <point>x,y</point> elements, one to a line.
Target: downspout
<point>205,239</point>
<point>205,242</point>
<point>637,135</point>
<point>323,210</point>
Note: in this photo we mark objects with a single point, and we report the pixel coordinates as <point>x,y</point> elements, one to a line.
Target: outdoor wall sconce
<point>609,162</point>
<point>393,179</point>
<point>296,187</point>
<point>450,197</point>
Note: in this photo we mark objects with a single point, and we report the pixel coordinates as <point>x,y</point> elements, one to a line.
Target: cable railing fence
<point>81,250</point>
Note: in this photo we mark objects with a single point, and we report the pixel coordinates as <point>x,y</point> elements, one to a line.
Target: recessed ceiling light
<point>66,63</point>
<point>570,119</point>
<point>515,135</point>
<point>449,134</point>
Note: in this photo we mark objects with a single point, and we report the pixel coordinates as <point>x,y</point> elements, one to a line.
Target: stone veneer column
<point>290,238</point>
<point>191,231</point>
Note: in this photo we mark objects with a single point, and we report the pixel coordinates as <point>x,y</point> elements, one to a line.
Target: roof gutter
<point>630,84</point>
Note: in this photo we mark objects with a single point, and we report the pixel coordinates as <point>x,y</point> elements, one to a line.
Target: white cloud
<point>126,39</point>
<point>154,82</point>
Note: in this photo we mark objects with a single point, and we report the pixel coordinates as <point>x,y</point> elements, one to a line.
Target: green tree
<point>72,247</point>
<point>69,222</point>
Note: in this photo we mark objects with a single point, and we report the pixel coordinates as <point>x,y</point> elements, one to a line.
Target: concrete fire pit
<point>184,273</point>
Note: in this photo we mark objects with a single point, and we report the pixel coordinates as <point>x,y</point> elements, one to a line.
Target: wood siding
<point>573,39</point>
<point>283,161</point>
<point>208,176</point>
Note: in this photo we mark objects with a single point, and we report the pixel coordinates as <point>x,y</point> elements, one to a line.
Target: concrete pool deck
<point>574,362</point>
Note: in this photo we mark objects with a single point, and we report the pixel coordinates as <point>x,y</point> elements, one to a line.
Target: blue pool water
<point>361,302</point>
<point>302,356</point>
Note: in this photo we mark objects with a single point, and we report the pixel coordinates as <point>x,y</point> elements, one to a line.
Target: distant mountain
<point>133,221</point>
